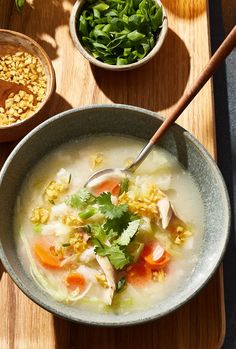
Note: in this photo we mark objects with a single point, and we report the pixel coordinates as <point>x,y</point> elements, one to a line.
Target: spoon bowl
<point>7,87</point>
<point>101,173</point>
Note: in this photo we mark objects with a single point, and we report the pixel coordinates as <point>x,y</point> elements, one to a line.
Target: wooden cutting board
<point>200,324</point>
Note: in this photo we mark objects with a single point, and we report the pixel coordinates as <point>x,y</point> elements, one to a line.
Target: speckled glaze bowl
<point>125,120</point>
<point>75,13</point>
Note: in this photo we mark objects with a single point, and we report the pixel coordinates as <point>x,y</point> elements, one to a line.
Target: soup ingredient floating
<point>122,232</point>
<point>120,32</point>
<point>23,69</point>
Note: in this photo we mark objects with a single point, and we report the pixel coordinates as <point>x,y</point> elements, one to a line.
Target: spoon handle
<point>219,56</point>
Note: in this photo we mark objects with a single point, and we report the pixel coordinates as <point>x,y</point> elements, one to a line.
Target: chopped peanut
<point>181,235</point>
<point>26,69</point>
<point>101,279</point>
<point>145,205</point>
<point>77,243</point>
<point>54,189</point>
<point>40,215</point>
<point>71,220</point>
<point>158,276</point>
<point>96,160</point>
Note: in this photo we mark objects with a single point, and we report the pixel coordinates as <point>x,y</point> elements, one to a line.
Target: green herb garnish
<point>119,32</point>
<point>69,180</point>
<point>97,232</point>
<point>128,233</point>
<point>117,228</point>
<point>121,285</point>
<point>20,4</point>
<point>87,213</point>
<point>116,254</point>
<point>37,228</point>
<point>112,237</point>
<point>124,186</point>
<point>80,199</point>
<point>66,245</point>
<point>108,209</point>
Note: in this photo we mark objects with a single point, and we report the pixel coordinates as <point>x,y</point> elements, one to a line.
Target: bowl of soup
<point>125,249</point>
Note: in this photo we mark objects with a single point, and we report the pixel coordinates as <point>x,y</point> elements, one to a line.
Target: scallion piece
<point>89,212</point>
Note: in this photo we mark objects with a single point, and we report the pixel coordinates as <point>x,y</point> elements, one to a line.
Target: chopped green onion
<point>37,228</point>
<point>124,186</point>
<point>66,245</point>
<point>20,4</point>
<point>121,285</point>
<point>69,180</point>
<point>119,32</point>
<point>89,212</point>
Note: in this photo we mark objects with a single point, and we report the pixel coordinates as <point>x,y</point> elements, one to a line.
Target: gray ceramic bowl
<point>77,8</point>
<point>125,120</point>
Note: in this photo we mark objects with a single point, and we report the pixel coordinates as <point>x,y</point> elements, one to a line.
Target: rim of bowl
<point>145,319</point>
<point>79,5</point>
<point>51,86</point>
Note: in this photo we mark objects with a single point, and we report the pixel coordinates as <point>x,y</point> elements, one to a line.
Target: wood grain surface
<point>200,324</point>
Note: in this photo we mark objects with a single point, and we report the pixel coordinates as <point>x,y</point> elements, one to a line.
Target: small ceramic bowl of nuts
<point>27,84</point>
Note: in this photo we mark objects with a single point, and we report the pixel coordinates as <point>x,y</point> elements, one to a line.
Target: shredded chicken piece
<point>165,211</point>
<point>108,270</point>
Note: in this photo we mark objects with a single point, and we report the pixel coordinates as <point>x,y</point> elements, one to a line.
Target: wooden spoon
<point>220,55</point>
<point>7,87</point>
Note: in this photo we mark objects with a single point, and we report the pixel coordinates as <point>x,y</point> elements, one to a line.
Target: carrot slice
<point>111,185</point>
<point>155,256</point>
<point>44,255</point>
<point>76,280</point>
<point>116,190</point>
<point>160,263</point>
<point>138,274</point>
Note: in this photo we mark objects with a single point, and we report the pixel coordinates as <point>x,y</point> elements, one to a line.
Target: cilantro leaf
<point>80,199</point>
<point>108,209</point>
<point>116,254</point>
<point>111,235</point>
<point>118,258</point>
<point>128,233</point>
<point>97,232</point>
<point>119,224</point>
<point>104,199</point>
<point>114,211</point>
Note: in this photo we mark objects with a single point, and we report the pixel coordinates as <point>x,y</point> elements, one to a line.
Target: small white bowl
<point>77,9</point>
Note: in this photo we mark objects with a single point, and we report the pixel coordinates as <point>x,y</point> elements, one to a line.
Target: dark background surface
<point>222,19</point>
